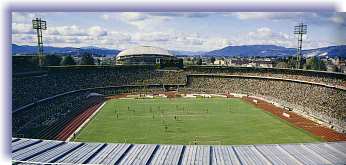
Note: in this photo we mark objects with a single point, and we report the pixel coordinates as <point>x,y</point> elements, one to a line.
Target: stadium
<point>144,55</point>
<point>138,114</point>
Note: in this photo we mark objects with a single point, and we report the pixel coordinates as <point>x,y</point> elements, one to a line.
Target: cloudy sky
<point>197,31</point>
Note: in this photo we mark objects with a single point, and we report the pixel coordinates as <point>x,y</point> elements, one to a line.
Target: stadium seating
<point>325,103</point>
<point>319,94</point>
<point>47,119</point>
<point>63,79</point>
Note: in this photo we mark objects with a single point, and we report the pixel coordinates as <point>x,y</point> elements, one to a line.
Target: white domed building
<point>144,55</point>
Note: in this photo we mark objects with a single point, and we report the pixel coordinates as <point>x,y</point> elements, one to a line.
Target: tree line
<point>55,60</point>
<point>311,63</point>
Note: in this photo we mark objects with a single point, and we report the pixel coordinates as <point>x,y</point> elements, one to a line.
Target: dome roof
<point>144,50</point>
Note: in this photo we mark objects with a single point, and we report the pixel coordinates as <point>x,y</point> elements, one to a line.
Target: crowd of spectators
<point>46,119</point>
<point>28,89</point>
<point>336,79</point>
<point>31,121</point>
<point>325,103</point>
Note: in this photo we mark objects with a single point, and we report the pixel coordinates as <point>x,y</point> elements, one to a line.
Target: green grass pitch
<point>189,121</point>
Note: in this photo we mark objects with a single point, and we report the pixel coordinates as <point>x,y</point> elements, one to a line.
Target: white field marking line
<point>85,122</point>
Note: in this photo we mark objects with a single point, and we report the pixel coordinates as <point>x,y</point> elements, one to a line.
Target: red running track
<point>314,128</point>
<point>73,125</point>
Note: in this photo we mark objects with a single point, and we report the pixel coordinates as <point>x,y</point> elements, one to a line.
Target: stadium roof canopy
<point>143,50</point>
<point>36,151</point>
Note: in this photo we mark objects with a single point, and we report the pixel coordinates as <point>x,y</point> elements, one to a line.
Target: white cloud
<point>190,40</point>
<point>268,15</point>
<point>143,21</point>
<point>22,17</point>
<point>160,29</point>
<point>24,39</point>
<point>150,21</point>
<point>105,17</point>
<point>217,43</point>
<point>134,16</point>
<point>27,17</point>
<point>316,18</point>
<point>139,19</point>
<point>97,31</point>
<point>266,36</point>
<point>337,19</point>
<point>267,33</point>
<point>67,31</point>
<point>263,32</point>
<point>21,28</point>
<point>181,14</point>
<point>154,36</point>
<point>124,37</point>
<point>77,31</point>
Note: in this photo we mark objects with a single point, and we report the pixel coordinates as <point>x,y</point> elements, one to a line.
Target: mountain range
<point>27,50</point>
<point>273,50</point>
<point>243,51</point>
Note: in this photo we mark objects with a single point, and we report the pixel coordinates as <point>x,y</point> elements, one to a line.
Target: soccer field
<point>189,121</point>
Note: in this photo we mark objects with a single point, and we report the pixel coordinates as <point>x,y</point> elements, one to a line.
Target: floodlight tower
<point>39,25</point>
<point>300,30</point>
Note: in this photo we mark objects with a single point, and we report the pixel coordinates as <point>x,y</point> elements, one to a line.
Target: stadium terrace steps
<point>50,151</point>
<point>76,122</point>
<point>65,127</point>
